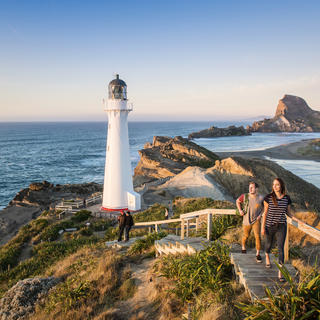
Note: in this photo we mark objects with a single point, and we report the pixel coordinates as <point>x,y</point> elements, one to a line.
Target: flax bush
<point>146,242</point>
<point>299,301</point>
<point>207,270</point>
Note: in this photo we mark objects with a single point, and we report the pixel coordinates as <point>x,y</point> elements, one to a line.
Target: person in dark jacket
<point>122,224</point>
<point>128,224</point>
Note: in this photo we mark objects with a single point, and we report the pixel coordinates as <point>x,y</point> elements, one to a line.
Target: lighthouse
<point>118,193</point>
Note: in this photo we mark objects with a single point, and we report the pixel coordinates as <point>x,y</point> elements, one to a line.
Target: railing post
<point>286,245</point>
<point>156,228</point>
<point>209,226</point>
<point>188,225</point>
<point>197,224</point>
<point>182,229</point>
<point>149,229</point>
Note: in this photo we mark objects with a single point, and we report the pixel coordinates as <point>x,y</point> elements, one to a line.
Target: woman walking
<point>277,205</point>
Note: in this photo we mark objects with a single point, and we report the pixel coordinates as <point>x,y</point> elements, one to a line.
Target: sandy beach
<point>291,151</point>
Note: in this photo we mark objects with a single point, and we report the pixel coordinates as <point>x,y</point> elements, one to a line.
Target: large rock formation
<point>214,132</point>
<point>166,157</point>
<point>292,115</point>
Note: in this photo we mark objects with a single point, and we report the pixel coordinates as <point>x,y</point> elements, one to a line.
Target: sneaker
<point>243,251</point>
<point>258,258</point>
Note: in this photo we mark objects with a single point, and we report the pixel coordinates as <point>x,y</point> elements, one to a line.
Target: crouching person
<point>250,206</point>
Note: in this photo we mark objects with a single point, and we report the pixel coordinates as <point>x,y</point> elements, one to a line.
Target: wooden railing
<point>300,225</point>
<point>186,218</point>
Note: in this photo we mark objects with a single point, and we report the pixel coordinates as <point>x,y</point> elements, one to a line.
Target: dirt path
<point>143,305</point>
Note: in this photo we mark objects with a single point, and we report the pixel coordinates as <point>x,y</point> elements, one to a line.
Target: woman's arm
<point>264,217</point>
<point>290,214</point>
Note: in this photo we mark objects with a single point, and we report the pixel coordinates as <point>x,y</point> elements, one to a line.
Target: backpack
<point>131,223</point>
<point>244,205</point>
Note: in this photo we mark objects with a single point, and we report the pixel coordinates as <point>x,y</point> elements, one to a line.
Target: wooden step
<point>255,277</point>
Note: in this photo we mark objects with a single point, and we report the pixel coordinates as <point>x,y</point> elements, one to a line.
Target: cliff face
<point>292,115</point>
<point>166,157</point>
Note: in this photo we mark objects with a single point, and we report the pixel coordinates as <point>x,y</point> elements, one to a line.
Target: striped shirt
<point>277,214</point>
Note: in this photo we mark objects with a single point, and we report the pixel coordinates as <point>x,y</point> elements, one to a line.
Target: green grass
<point>10,252</point>
<point>44,254</point>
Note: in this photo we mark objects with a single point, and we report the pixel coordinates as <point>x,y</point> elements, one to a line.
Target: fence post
<point>156,228</point>
<point>197,224</point>
<point>182,229</point>
<point>209,226</point>
<point>188,225</point>
<point>286,245</point>
<point>149,229</point>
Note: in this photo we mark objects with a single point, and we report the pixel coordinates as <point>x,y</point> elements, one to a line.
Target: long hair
<point>282,190</point>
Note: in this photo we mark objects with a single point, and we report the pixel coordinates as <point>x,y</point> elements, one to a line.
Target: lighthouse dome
<point>117,89</point>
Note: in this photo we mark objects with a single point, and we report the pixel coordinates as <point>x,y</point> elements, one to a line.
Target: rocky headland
<point>292,115</point>
<point>30,202</point>
<point>225,179</point>
<point>214,132</point>
<point>166,157</point>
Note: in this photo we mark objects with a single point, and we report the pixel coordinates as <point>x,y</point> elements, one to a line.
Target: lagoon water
<point>74,152</point>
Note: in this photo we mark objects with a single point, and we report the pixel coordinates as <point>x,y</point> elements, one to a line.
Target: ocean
<point>74,152</point>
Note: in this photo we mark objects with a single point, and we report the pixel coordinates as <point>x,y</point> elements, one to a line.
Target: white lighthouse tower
<point>118,193</point>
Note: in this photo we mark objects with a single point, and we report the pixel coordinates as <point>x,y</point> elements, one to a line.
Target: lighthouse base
<point>114,209</point>
<point>132,202</point>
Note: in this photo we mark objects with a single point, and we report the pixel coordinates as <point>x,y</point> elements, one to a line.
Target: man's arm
<point>238,203</point>
<point>264,217</point>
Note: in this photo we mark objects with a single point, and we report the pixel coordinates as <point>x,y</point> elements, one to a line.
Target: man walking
<point>122,224</point>
<point>128,224</point>
<point>250,206</point>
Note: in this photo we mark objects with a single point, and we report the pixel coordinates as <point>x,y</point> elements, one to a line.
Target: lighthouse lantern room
<point>118,193</point>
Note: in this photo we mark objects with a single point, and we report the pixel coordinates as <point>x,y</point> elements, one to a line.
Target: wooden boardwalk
<point>255,276</point>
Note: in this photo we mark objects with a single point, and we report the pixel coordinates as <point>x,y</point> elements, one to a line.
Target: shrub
<point>209,269</point>
<point>299,301</point>
<point>51,233</point>
<point>200,204</point>
<point>146,242</point>
<point>81,216</point>
<point>156,212</point>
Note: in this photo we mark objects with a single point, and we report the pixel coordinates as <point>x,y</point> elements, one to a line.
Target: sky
<point>181,59</point>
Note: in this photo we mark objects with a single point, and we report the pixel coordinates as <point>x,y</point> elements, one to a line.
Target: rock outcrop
<point>30,202</point>
<point>292,115</point>
<point>166,157</point>
<point>19,302</point>
<point>43,194</point>
<point>214,132</point>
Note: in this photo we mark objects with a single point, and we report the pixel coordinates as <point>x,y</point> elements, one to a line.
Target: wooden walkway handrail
<point>194,214</point>
<point>306,228</point>
<point>151,223</point>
